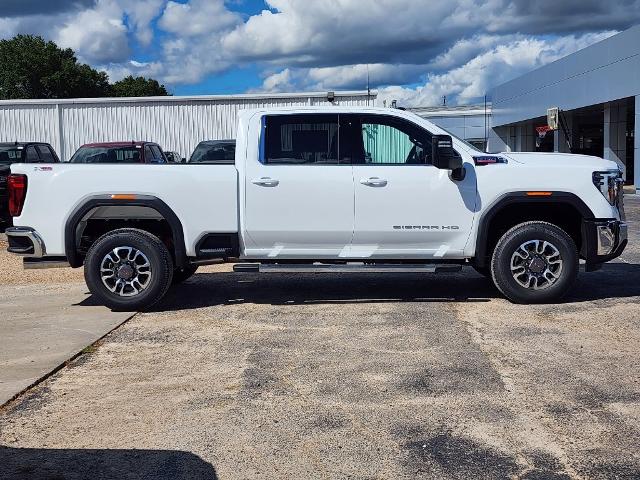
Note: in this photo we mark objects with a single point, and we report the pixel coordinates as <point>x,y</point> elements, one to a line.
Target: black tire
<point>182,274</point>
<point>153,252</point>
<point>559,259</point>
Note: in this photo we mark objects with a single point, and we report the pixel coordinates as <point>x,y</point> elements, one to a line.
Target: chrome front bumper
<point>610,236</point>
<point>602,240</point>
<point>25,242</point>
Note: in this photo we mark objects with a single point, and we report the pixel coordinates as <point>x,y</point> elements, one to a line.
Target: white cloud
<point>141,13</point>
<point>98,34</point>
<point>197,17</point>
<point>454,48</point>
<point>472,80</point>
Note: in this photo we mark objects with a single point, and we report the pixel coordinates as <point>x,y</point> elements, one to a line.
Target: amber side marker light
<point>539,194</point>
<point>123,196</point>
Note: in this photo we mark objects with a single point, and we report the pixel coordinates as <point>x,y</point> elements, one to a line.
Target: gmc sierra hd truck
<point>325,189</point>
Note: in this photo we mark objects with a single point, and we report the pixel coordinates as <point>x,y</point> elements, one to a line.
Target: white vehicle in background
<point>335,189</point>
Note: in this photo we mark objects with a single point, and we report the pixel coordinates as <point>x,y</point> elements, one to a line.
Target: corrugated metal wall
<point>176,124</point>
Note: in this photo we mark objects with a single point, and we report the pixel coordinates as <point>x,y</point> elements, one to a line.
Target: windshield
<point>106,155</point>
<point>9,155</point>
<point>221,153</point>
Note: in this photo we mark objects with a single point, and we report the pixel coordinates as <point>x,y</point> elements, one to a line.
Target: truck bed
<point>204,197</point>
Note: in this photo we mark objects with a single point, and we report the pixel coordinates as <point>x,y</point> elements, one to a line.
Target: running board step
<point>345,268</point>
<point>207,253</point>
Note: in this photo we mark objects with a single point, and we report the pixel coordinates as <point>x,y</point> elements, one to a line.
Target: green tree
<point>31,67</point>
<point>138,87</point>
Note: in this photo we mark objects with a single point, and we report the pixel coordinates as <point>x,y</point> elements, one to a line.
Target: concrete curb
<point>63,364</point>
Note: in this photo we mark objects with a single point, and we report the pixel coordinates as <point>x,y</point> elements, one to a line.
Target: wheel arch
<point>552,204</point>
<point>71,234</point>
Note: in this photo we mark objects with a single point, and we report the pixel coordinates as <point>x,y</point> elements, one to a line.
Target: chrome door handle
<point>374,182</point>
<point>266,182</point>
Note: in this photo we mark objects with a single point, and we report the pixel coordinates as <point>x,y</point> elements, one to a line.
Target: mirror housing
<point>444,157</point>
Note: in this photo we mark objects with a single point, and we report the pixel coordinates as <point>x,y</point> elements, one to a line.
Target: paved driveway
<point>43,323</point>
<point>353,376</point>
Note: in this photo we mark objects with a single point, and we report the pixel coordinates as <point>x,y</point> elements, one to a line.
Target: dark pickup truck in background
<point>20,152</point>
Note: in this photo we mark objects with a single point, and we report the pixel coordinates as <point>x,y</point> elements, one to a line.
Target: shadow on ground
<point>613,281</point>
<point>71,464</point>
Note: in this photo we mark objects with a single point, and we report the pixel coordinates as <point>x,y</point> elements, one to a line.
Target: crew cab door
<point>299,196</point>
<point>404,206</point>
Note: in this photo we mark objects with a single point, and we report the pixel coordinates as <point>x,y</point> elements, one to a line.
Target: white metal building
<point>469,122</point>
<point>176,123</point>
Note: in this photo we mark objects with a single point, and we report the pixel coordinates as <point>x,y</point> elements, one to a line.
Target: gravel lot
<point>358,376</point>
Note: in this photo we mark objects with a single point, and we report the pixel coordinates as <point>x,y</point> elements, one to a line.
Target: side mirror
<point>444,157</point>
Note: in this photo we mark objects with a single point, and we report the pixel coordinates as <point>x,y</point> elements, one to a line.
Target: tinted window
<point>390,140</point>
<point>157,153</point>
<point>301,139</point>
<point>214,152</point>
<point>148,154</point>
<point>32,155</point>
<point>106,155</point>
<point>45,154</point>
<point>10,155</point>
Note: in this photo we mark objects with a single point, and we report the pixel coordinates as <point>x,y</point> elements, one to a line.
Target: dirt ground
<point>347,376</point>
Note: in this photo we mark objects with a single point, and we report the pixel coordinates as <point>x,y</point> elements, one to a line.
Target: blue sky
<point>416,51</point>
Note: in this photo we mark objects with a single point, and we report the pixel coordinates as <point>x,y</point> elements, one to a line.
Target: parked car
<point>20,152</point>
<point>119,152</point>
<point>174,157</point>
<point>214,151</point>
<point>340,189</point>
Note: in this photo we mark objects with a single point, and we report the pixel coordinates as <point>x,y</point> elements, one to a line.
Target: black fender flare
<point>521,197</point>
<point>70,241</point>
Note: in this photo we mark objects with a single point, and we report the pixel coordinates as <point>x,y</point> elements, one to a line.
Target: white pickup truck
<point>335,189</point>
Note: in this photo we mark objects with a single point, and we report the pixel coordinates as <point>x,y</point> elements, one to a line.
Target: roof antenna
<point>368,86</point>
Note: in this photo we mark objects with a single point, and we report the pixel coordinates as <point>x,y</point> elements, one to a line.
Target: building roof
<point>451,110</point>
<point>190,98</point>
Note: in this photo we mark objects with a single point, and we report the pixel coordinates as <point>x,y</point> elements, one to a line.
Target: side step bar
<point>45,262</point>
<point>345,268</point>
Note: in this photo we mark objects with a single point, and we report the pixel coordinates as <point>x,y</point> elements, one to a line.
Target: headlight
<point>609,183</point>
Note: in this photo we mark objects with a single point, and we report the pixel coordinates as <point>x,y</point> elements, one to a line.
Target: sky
<point>415,51</point>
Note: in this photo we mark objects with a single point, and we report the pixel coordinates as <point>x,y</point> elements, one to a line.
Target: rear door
<point>404,206</point>
<point>299,191</point>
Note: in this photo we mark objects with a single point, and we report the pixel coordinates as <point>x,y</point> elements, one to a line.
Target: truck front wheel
<point>128,269</point>
<point>535,262</point>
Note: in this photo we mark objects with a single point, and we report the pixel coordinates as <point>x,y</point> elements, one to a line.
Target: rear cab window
<point>301,140</point>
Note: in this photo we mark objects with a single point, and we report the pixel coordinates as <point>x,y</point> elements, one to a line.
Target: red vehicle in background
<point>119,152</point>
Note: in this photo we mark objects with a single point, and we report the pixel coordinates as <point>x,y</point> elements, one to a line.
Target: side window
<point>301,139</point>
<point>393,141</point>
<point>45,154</point>
<point>32,155</point>
<point>157,153</point>
<point>148,154</point>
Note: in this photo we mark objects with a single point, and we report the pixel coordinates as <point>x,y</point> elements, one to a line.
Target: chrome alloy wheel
<point>536,264</point>
<point>125,271</point>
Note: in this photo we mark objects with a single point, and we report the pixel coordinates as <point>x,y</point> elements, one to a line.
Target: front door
<point>404,206</point>
<point>299,195</point>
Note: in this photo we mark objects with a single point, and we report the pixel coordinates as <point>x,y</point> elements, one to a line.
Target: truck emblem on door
<point>426,227</point>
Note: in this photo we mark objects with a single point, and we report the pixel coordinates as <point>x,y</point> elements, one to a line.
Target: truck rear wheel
<point>128,269</point>
<point>535,262</point>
